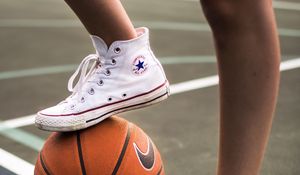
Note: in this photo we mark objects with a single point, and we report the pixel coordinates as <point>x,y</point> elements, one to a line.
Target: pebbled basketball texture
<point>113,147</point>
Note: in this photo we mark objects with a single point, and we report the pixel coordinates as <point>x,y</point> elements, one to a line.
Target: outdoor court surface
<point>42,42</point>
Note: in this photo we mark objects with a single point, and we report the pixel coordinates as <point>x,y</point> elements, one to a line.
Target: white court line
<point>18,122</point>
<point>194,84</point>
<point>15,164</point>
<point>214,80</point>
<point>174,89</point>
<point>282,5</point>
<point>56,23</point>
<point>290,64</point>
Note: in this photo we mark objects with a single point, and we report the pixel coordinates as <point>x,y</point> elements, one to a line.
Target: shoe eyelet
<point>72,107</point>
<point>109,99</point>
<point>98,64</point>
<point>107,72</point>
<point>82,100</point>
<point>100,83</point>
<point>91,91</point>
<point>124,95</point>
<point>113,61</point>
<point>117,50</point>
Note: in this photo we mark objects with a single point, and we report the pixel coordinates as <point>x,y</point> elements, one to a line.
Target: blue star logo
<point>140,65</point>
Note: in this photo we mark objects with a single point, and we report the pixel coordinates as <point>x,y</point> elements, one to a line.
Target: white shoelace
<point>86,76</point>
<point>83,67</point>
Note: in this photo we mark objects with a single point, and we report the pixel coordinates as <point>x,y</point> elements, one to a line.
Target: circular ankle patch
<point>139,65</point>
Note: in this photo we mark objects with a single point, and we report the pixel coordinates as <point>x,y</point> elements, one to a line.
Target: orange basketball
<point>113,147</point>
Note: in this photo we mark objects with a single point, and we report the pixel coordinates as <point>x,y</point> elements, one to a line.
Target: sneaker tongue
<point>100,46</point>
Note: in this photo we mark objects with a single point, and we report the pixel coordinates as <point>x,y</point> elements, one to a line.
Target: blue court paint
<point>22,137</point>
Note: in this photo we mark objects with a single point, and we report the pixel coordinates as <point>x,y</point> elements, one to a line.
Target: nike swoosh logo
<point>146,159</point>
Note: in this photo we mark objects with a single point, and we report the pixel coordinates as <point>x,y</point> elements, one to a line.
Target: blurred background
<point>42,42</point>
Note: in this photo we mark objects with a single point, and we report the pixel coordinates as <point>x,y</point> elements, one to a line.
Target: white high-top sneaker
<point>124,76</point>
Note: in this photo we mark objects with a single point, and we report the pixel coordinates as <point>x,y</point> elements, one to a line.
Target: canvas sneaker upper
<point>125,70</point>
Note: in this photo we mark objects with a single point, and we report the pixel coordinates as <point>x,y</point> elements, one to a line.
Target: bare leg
<point>104,18</point>
<point>248,57</point>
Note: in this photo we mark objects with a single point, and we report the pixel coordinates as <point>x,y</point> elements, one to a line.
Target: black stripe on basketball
<point>80,154</point>
<point>43,164</point>
<point>160,170</point>
<point>122,152</point>
<point>127,107</point>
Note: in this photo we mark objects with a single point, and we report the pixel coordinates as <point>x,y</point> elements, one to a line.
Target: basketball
<point>113,147</point>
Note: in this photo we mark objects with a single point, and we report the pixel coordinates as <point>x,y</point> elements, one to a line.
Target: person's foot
<point>124,76</point>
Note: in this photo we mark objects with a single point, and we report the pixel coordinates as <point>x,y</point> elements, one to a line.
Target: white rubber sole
<point>85,120</point>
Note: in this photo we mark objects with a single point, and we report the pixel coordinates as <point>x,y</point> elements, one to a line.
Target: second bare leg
<point>248,58</point>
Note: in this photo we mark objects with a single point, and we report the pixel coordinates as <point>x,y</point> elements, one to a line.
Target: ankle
<point>126,35</point>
